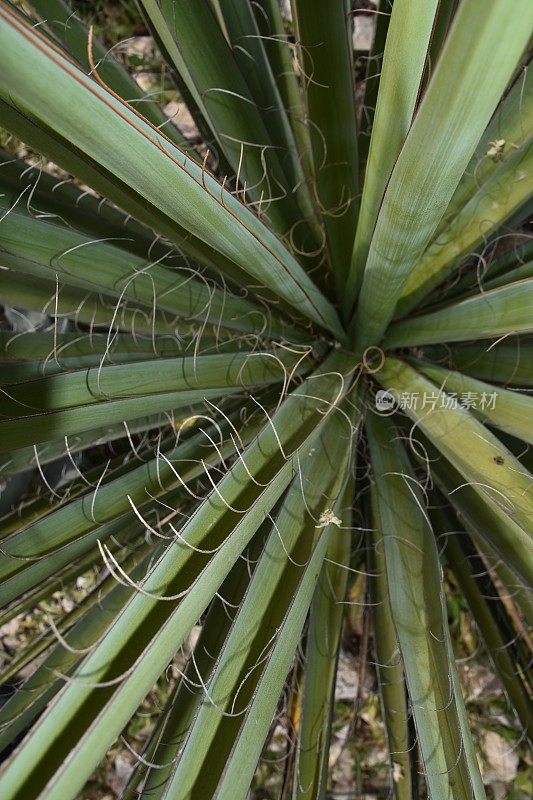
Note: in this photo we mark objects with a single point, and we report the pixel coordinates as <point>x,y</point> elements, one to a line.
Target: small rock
<point>118,777</point>
<point>364,31</point>
<point>139,46</point>
<point>477,681</point>
<point>499,759</point>
<point>346,685</point>
<point>146,81</point>
<point>180,115</point>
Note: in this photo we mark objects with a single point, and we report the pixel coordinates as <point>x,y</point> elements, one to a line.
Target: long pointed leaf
<point>389,666</point>
<point>85,719</point>
<point>475,65</point>
<point>509,361</point>
<point>489,613</point>
<point>510,411</point>
<point>249,48</point>
<point>41,248</point>
<point>195,45</point>
<point>62,22</point>
<point>171,729</point>
<point>418,612</point>
<point>66,100</point>
<point>29,293</point>
<point>501,312</point>
<point>511,124</point>
<point>488,468</point>
<point>262,623</point>
<point>408,37</point>
<point>324,39</point>
<point>499,198</point>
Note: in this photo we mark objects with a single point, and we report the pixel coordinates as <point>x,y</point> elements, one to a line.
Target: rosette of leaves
<point>194,334</point>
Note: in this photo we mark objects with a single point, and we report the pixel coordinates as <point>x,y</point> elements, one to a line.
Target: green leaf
<point>323,34</point>
<point>408,37</point>
<point>517,274</point>
<point>22,575</point>
<point>172,727</point>
<point>487,267</point>
<point>491,619</point>
<point>248,750</point>
<point>57,582</point>
<point>441,29</point>
<point>243,691</point>
<point>46,681</point>
<point>60,150</point>
<point>517,590</point>
<point>419,616</point>
<point>250,52</point>
<point>508,361</point>
<point>110,381</point>
<point>35,354</point>
<point>80,520</point>
<point>280,52</point>
<point>510,411</point>
<point>47,86</point>
<point>28,293</point>
<point>475,64</point>
<point>41,643</point>
<point>44,196</point>
<point>62,22</point>
<point>46,250</point>
<point>491,529</point>
<point>511,124</point>
<point>389,666</point>
<point>196,48</point>
<point>518,252</point>
<point>501,312</point>
<point>507,189</point>
<point>372,76</point>
<point>59,405</point>
<point>85,720</point>
<point>487,467</point>
<point>322,649</point>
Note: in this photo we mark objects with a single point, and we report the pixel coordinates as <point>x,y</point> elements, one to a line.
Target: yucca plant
<point>239,371</point>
